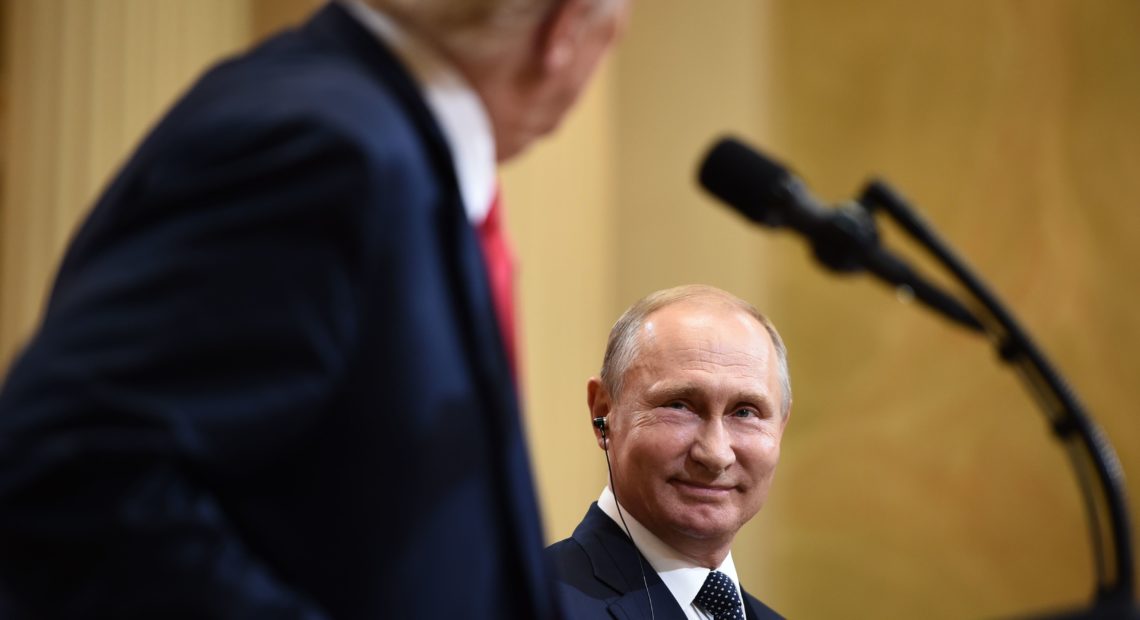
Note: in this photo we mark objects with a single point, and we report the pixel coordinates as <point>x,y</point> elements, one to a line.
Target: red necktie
<point>500,261</point>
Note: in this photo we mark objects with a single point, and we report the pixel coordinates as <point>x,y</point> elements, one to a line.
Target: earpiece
<point>600,424</point>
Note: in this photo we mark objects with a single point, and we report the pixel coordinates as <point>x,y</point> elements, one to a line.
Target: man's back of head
<point>528,59</point>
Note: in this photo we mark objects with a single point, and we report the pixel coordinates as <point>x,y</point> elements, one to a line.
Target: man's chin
<point>704,523</point>
<point>521,138</point>
<point>506,152</point>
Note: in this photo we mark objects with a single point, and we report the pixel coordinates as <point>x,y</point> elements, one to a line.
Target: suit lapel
<point>474,306</point>
<point>756,610</point>
<point>615,561</point>
<point>750,612</point>
<point>634,605</point>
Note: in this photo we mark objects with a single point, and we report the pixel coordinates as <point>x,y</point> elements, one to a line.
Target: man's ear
<point>599,403</point>
<point>562,34</point>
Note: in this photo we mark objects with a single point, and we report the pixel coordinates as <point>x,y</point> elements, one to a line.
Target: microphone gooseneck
<point>846,240</point>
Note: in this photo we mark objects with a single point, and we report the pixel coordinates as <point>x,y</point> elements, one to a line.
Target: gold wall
<point>918,480</point>
<point>82,82</point>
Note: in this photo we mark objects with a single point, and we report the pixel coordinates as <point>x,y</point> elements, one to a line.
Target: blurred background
<point>918,479</point>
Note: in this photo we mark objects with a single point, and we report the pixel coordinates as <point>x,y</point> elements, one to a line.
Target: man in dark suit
<point>271,379</point>
<point>690,407</point>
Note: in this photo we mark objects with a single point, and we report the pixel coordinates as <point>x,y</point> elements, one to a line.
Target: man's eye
<point>676,405</point>
<point>745,412</point>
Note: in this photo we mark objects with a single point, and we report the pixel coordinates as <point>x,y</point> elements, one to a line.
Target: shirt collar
<point>455,105</point>
<point>683,577</point>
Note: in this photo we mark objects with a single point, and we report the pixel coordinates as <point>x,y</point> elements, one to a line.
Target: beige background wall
<point>918,480</point>
<point>919,469</point>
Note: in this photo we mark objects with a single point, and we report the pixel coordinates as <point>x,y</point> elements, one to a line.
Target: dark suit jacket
<point>598,576</point>
<point>269,382</point>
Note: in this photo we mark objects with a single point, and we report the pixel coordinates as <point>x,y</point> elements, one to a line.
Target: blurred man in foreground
<point>273,378</point>
<point>690,407</point>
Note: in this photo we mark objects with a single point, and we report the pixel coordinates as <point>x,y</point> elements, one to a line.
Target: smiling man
<point>690,407</point>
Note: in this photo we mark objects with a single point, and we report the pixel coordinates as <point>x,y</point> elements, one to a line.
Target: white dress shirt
<point>456,106</point>
<point>683,578</point>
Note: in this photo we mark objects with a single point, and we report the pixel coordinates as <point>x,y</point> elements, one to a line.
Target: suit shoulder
<point>582,594</point>
<point>566,555</point>
<point>297,80</point>
<point>288,104</point>
<point>253,92</point>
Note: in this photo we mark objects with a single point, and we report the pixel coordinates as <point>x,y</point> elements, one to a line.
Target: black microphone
<point>844,239</point>
<point>760,188</point>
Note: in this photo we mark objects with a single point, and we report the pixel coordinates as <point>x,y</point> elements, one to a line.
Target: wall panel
<point>83,81</point>
<point>918,479</point>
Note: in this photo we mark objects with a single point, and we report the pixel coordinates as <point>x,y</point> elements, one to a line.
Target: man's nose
<point>712,447</point>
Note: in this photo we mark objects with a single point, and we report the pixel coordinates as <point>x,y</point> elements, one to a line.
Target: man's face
<point>695,434</point>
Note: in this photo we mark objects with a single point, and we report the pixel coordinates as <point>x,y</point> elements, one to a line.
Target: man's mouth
<point>702,490</point>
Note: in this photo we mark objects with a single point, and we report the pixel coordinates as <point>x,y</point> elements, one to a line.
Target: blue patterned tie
<point>718,597</point>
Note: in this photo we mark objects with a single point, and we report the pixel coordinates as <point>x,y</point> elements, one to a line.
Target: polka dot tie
<point>718,597</point>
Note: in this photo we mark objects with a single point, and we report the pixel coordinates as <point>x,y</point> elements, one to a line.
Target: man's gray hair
<point>624,342</point>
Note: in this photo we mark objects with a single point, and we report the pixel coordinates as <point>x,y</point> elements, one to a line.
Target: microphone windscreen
<point>748,181</point>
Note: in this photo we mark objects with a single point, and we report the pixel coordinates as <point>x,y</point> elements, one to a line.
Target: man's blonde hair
<point>472,26</point>
<point>624,341</point>
<point>451,15</point>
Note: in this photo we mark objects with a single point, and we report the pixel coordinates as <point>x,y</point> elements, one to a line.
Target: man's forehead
<point>707,353</point>
<point>700,338</point>
<point>661,362</point>
<point>696,323</point>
